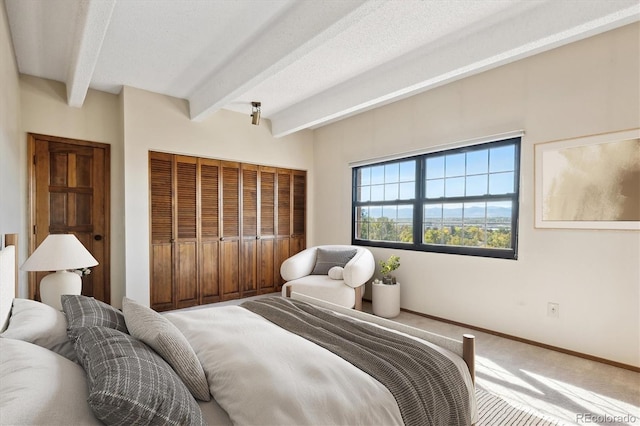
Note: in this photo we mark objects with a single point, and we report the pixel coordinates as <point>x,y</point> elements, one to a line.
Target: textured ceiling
<point>308,62</point>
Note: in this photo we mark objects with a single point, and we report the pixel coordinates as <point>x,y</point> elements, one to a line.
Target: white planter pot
<point>386,300</point>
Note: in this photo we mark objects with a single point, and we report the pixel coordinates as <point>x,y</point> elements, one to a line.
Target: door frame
<point>31,149</point>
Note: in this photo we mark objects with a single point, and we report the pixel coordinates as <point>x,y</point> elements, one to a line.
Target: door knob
<point>97,237</point>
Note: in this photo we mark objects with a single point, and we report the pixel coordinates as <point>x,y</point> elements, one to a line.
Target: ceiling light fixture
<point>255,113</point>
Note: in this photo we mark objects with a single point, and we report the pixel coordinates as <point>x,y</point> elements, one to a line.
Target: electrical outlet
<point>553,310</point>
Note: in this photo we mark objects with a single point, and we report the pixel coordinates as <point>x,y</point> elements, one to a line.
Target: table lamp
<point>59,252</point>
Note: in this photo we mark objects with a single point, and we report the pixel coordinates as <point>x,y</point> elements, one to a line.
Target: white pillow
<point>163,337</point>
<point>336,273</point>
<point>41,387</point>
<point>40,324</point>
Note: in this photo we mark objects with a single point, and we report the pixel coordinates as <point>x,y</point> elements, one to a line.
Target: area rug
<point>495,411</point>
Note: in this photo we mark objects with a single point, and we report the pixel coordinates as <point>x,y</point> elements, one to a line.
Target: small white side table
<point>386,300</point>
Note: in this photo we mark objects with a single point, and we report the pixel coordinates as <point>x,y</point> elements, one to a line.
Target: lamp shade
<point>59,252</point>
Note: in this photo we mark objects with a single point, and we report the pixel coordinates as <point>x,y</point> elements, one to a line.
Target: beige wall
<point>12,179</point>
<point>160,123</point>
<point>133,123</point>
<point>588,87</point>
<point>44,110</point>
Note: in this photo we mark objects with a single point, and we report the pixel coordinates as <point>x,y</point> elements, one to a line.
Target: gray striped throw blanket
<point>427,386</point>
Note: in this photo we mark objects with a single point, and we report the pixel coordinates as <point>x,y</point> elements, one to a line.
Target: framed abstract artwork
<point>590,182</point>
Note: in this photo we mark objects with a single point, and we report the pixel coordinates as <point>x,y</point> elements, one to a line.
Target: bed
<point>267,361</point>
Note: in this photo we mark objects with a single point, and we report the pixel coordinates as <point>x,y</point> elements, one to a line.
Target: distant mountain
<point>473,212</point>
<point>476,212</point>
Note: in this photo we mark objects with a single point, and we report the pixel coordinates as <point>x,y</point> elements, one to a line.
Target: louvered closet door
<point>185,251</point>
<point>283,202</point>
<point>299,207</point>
<point>209,250</point>
<point>220,230</point>
<point>250,235</point>
<point>230,230</point>
<point>268,274</point>
<point>161,184</point>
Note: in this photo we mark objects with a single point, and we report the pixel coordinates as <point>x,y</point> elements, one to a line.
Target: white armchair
<point>306,273</point>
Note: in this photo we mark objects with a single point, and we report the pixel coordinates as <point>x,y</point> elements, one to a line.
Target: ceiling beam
<point>92,23</point>
<point>437,65</point>
<point>285,41</point>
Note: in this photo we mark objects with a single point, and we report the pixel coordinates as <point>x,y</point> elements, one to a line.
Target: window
<point>462,201</point>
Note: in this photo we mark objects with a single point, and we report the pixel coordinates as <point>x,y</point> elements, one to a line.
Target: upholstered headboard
<point>8,277</point>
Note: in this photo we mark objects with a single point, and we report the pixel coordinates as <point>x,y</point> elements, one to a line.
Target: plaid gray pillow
<point>130,384</point>
<point>328,258</point>
<point>83,311</point>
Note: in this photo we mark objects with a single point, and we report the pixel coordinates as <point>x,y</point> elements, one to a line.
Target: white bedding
<point>229,340</point>
<point>40,387</point>
<point>7,283</point>
<point>312,387</point>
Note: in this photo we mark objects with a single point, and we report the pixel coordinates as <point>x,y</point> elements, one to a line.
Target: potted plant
<point>386,293</point>
<point>387,267</point>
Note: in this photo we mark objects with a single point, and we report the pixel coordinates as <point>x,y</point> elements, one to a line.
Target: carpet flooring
<point>495,411</point>
<point>530,385</point>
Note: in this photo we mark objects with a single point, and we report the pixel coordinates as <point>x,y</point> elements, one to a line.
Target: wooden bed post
<point>12,240</point>
<point>469,353</point>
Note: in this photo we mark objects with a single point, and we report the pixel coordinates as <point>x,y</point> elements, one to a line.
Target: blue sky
<point>487,171</point>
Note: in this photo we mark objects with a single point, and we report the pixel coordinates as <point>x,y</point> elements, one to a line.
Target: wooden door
<point>70,191</point>
<point>161,175</point>
<point>268,274</point>
<point>209,250</point>
<point>250,234</point>
<point>230,230</point>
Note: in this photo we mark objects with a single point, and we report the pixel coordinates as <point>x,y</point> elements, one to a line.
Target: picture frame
<point>588,182</point>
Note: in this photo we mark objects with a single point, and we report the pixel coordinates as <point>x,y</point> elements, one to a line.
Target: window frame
<point>419,200</point>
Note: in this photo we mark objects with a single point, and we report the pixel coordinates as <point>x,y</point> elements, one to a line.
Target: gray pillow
<point>328,258</point>
<point>40,324</point>
<point>130,384</point>
<point>83,311</point>
<point>169,342</point>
